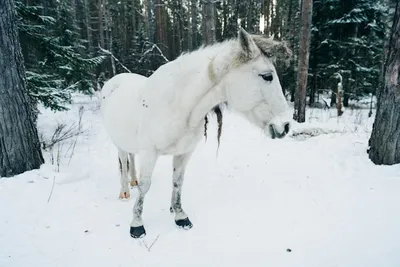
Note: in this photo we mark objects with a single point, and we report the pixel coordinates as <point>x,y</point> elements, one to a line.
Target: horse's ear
<point>247,44</point>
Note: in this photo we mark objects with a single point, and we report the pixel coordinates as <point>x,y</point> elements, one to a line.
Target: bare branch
<point>107,52</point>
<point>52,188</point>
<point>151,49</point>
<point>149,247</point>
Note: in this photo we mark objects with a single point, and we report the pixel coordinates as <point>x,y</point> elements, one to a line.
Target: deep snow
<point>319,197</point>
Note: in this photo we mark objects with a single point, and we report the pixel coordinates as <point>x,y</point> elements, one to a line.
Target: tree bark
<point>208,21</point>
<point>160,25</point>
<point>193,24</point>
<point>339,98</point>
<point>267,17</point>
<point>19,142</point>
<point>385,136</point>
<point>88,26</point>
<point>101,27</point>
<point>300,95</point>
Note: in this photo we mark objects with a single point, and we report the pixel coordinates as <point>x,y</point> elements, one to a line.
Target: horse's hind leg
<point>147,163</point>
<point>123,167</point>
<point>132,170</point>
<point>179,163</point>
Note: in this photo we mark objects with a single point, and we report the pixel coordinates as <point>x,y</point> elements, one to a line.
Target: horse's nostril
<point>287,127</point>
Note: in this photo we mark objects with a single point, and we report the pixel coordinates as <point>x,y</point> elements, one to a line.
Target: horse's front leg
<point>147,162</point>
<point>179,163</point>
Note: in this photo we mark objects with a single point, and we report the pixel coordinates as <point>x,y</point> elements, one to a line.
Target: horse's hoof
<point>137,232</point>
<point>124,195</point>
<point>134,183</point>
<point>184,223</point>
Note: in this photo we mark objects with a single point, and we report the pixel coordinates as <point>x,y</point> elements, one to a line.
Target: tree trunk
<point>385,137</point>
<point>339,99</point>
<point>293,29</point>
<point>150,21</point>
<point>208,21</point>
<point>300,97</point>
<point>19,142</point>
<point>101,27</point>
<point>133,19</point>
<point>346,97</point>
<point>249,18</point>
<point>88,26</point>
<point>181,32</point>
<point>225,15</point>
<point>333,97</point>
<point>193,24</point>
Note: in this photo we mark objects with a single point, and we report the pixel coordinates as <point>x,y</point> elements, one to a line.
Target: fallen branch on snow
<point>307,131</point>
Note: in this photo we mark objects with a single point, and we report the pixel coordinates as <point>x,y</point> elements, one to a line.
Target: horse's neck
<point>196,79</point>
<point>217,60</point>
<point>211,99</point>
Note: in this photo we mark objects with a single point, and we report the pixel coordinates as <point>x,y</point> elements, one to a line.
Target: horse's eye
<point>267,76</point>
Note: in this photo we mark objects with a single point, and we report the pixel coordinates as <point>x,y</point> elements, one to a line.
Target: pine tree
<point>347,39</point>
<point>55,56</point>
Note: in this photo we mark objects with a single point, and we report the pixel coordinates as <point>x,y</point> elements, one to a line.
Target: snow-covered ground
<point>299,202</point>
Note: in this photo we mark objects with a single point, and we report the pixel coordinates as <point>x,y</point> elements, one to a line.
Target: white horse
<point>164,114</point>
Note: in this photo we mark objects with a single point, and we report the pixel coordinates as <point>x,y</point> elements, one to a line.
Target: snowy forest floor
<point>299,202</point>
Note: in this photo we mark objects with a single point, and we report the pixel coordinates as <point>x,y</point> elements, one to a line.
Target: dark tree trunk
<point>88,26</point>
<point>300,95</point>
<point>267,17</point>
<point>193,24</point>
<point>333,98</point>
<point>101,27</point>
<point>385,137</point>
<point>160,25</point>
<point>19,142</point>
<point>150,21</point>
<point>312,93</point>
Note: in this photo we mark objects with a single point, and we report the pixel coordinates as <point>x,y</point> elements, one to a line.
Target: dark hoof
<point>184,223</point>
<point>138,232</point>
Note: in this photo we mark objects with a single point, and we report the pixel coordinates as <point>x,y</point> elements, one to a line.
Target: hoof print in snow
<point>184,223</point>
<point>137,232</point>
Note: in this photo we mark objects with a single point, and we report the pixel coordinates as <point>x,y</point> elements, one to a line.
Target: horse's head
<point>252,84</point>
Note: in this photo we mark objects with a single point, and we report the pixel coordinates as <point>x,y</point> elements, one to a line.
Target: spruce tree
<point>55,57</point>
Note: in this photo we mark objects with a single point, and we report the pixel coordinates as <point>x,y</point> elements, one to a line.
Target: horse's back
<point>122,79</point>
